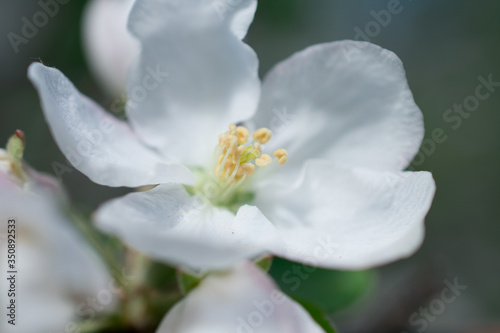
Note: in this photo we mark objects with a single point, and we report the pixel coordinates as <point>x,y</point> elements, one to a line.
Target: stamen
<point>232,128</point>
<point>237,155</point>
<point>225,174</point>
<point>249,154</point>
<point>282,155</point>
<point>223,164</point>
<point>256,145</point>
<point>233,175</point>
<point>263,135</point>
<point>246,169</point>
<point>263,161</point>
<point>237,158</point>
<point>243,134</point>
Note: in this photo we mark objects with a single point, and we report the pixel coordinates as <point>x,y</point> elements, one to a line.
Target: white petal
<point>102,147</point>
<point>56,269</point>
<point>168,224</point>
<point>40,223</point>
<point>7,176</point>
<point>5,165</point>
<point>38,299</point>
<point>194,76</point>
<point>36,182</point>
<point>347,102</point>
<point>42,295</point>
<point>44,184</point>
<point>342,218</point>
<point>243,300</point>
<point>240,14</point>
<point>109,46</point>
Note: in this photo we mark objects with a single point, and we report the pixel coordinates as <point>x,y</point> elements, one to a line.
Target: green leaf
<point>330,290</point>
<point>265,263</point>
<point>187,281</point>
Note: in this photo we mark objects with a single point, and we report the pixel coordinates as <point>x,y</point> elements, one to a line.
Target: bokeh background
<point>445,46</point>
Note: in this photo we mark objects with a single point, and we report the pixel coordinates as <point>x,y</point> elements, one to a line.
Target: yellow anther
<point>229,142</point>
<point>263,135</point>
<point>263,161</point>
<point>282,155</point>
<point>283,159</point>
<point>221,139</point>
<point>245,169</point>
<point>257,147</point>
<point>243,134</point>
<point>237,158</point>
<point>237,154</point>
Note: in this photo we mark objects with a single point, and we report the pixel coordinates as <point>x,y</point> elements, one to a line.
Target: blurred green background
<point>445,46</point>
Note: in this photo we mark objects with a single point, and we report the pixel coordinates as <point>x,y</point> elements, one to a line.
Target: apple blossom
<point>307,165</point>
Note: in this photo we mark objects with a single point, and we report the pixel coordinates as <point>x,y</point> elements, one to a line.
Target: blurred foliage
<point>328,290</point>
<point>279,13</point>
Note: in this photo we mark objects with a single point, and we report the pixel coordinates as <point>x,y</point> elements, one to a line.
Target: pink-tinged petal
<point>56,269</point>
<point>242,300</point>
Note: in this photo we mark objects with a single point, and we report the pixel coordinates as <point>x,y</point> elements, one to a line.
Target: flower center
<point>237,157</point>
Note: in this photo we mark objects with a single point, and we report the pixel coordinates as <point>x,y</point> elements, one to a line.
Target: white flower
<point>242,300</point>
<point>56,269</point>
<point>109,47</point>
<point>342,111</point>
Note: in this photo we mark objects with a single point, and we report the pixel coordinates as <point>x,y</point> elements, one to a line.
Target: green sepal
<point>264,263</point>
<point>15,149</point>
<point>187,281</point>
